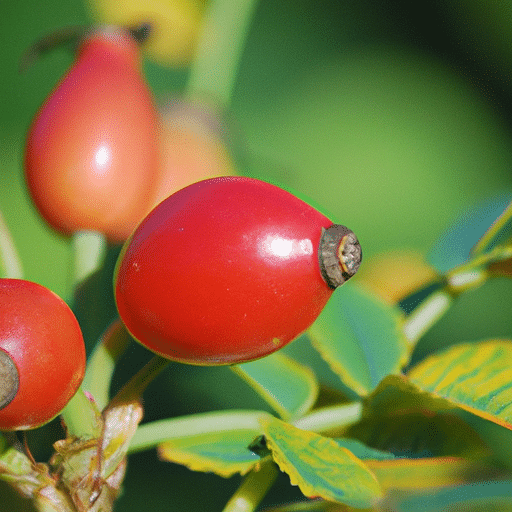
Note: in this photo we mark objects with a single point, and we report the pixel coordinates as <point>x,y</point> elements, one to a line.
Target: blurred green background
<point>394,116</point>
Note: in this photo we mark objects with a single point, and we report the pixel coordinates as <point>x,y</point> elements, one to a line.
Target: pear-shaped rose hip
<point>92,153</point>
<point>228,270</point>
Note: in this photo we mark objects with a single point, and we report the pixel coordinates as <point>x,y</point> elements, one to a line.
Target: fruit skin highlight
<point>223,271</point>
<point>92,153</point>
<point>41,336</point>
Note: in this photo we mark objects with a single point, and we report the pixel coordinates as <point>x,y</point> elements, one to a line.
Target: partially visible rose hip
<point>192,147</point>
<point>228,270</point>
<point>42,355</point>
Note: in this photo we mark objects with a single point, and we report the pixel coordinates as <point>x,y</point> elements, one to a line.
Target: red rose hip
<point>42,355</point>
<point>228,270</point>
<point>92,155</point>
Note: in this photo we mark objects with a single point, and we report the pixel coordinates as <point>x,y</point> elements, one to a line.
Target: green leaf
<point>362,451</point>
<point>313,506</point>
<point>476,377</point>
<point>401,418</point>
<point>319,466</point>
<point>482,497</point>
<point>289,387</point>
<point>302,351</point>
<point>223,453</point>
<point>213,442</point>
<point>360,337</point>
<point>428,473</point>
<point>406,475</point>
<point>456,243</point>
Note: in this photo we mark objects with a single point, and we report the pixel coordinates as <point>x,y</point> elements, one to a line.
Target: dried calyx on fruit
<point>9,379</point>
<point>339,254</point>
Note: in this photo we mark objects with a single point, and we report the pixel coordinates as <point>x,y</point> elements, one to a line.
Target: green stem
<point>9,258</point>
<point>102,362</point>
<point>426,315</point>
<point>136,386</point>
<point>473,273</point>
<point>465,277</point>
<point>328,418</point>
<point>81,417</point>
<point>225,27</point>
<point>493,231</point>
<point>89,249</point>
<point>253,488</point>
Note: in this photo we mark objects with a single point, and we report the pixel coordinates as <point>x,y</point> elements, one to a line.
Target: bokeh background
<point>396,117</point>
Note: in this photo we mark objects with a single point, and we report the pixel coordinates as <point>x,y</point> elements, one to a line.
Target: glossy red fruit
<point>92,150</point>
<point>228,270</point>
<point>42,355</point>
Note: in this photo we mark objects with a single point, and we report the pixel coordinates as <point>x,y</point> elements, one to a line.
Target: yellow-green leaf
<point>362,451</point>
<point>289,387</point>
<point>222,453</point>
<point>315,506</point>
<point>319,466</point>
<point>214,442</point>
<point>402,418</point>
<point>486,496</point>
<point>427,473</point>
<point>476,377</point>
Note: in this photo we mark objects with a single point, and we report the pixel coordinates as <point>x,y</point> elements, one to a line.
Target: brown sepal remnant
<point>84,474</point>
<point>339,255</point>
<point>9,379</point>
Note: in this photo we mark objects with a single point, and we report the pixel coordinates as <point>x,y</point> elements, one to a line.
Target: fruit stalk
<point>9,258</point>
<point>253,488</point>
